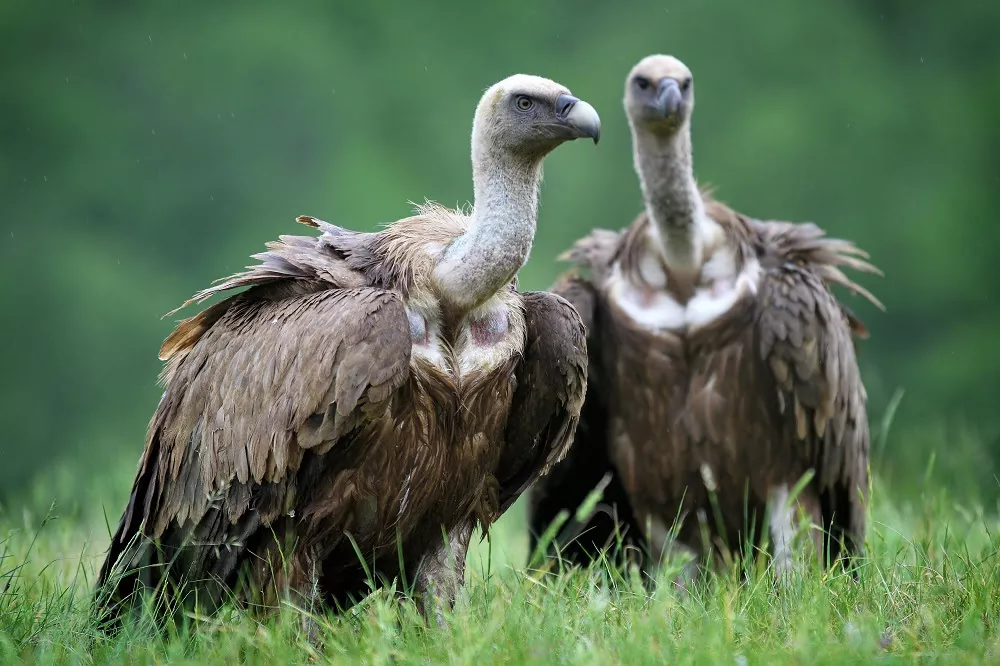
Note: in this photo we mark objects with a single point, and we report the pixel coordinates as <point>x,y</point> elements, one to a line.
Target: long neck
<point>485,259</point>
<point>673,202</point>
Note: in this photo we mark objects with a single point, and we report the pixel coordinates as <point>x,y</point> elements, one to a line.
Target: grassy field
<point>929,590</point>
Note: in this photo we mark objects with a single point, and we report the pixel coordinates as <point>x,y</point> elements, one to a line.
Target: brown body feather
<point>298,425</point>
<point>763,394</point>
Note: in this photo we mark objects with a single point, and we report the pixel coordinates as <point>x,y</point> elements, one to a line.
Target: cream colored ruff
<point>718,288</point>
<point>488,336</point>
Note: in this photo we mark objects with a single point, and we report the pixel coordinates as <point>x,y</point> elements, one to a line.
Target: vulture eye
<point>685,84</point>
<point>524,103</point>
<point>642,82</point>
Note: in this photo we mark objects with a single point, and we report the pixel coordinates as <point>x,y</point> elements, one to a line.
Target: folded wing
<point>551,381</point>
<point>258,380</point>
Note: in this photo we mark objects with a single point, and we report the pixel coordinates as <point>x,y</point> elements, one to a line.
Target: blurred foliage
<point>148,148</point>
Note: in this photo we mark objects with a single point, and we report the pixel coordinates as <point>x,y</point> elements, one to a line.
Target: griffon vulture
<point>358,398</point>
<point>722,368</point>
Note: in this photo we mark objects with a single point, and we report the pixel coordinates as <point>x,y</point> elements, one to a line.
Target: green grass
<point>929,590</point>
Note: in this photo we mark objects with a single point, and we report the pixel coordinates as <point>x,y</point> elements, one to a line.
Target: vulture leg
<point>665,546</point>
<point>441,572</point>
<point>309,591</point>
<point>295,580</point>
<point>786,526</point>
<point>304,592</point>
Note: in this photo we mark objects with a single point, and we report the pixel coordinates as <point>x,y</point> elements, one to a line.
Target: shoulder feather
<point>807,244</point>
<point>338,258</point>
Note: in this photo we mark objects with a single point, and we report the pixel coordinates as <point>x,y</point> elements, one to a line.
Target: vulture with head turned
<point>350,416</point>
<point>722,368</point>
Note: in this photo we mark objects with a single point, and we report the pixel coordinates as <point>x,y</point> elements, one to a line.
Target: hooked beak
<point>668,97</point>
<point>581,117</point>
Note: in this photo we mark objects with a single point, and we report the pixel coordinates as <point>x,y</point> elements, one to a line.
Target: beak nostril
<point>564,103</point>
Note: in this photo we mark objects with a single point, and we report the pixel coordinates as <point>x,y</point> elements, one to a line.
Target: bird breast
<point>648,301</point>
<point>482,340</point>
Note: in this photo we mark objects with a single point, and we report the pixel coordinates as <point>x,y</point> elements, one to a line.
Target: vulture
<point>365,402</point>
<point>723,373</point>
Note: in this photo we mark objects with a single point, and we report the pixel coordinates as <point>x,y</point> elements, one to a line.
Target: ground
<point>929,588</point>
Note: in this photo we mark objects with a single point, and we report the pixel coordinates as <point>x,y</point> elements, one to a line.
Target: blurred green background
<point>148,148</point>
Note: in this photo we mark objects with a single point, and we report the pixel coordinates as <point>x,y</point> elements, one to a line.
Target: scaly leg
<point>784,524</point>
<point>295,581</point>
<point>664,545</point>
<point>441,573</point>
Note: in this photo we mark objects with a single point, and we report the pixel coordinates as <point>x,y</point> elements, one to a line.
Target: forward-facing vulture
<point>722,367</point>
<point>357,401</point>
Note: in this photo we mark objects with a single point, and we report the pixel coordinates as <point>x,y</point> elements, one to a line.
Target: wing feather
<point>805,340</point>
<point>551,381</point>
<point>265,381</point>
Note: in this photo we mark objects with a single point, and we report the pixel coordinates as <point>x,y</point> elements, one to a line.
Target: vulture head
<point>659,94</point>
<point>527,117</point>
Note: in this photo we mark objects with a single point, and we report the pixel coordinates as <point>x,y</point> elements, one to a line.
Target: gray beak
<point>668,97</point>
<point>581,117</point>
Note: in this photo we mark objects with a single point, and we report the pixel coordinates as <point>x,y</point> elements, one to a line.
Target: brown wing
<point>265,377</point>
<point>805,339</point>
<point>551,380</point>
<point>586,464</point>
<point>805,336</point>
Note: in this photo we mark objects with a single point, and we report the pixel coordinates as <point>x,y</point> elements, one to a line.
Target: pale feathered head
<point>659,94</point>
<point>529,116</point>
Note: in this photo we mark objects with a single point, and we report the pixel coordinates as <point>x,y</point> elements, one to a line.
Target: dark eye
<point>685,84</point>
<point>642,82</point>
<point>524,103</point>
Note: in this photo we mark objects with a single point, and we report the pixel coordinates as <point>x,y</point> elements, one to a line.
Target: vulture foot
<point>688,574</point>
<point>666,548</point>
<point>441,574</point>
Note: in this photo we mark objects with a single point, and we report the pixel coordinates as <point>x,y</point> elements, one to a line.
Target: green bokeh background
<point>149,148</point>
